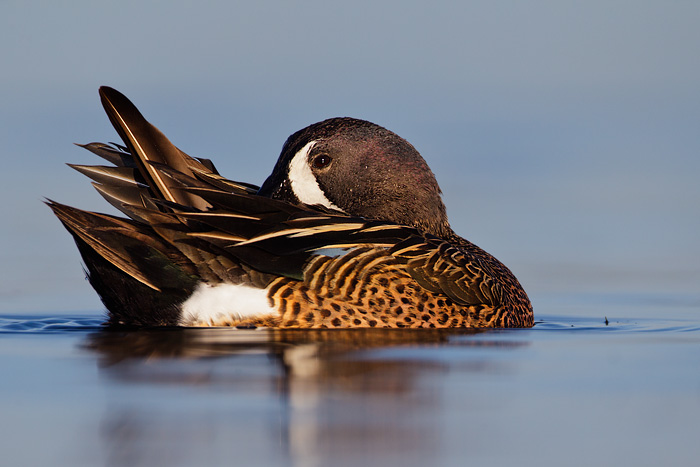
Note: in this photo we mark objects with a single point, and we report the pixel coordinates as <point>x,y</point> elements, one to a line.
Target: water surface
<point>571,391</point>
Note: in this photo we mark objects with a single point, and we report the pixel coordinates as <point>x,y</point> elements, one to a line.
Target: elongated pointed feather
<point>94,229</point>
<point>113,176</point>
<point>125,198</point>
<point>114,154</point>
<point>225,184</point>
<point>147,144</point>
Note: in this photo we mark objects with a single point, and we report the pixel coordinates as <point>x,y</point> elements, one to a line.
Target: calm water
<point>571,391</point>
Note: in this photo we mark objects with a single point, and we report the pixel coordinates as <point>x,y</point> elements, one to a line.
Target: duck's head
<point>361,169</point>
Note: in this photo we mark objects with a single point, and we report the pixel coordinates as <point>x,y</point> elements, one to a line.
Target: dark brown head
<point>361,169</point>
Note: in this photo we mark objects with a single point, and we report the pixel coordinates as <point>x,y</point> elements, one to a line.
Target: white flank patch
<point>221,304</point>
<point>304,183</point>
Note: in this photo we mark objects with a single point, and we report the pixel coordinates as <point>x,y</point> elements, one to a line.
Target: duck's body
<point>348,231</point>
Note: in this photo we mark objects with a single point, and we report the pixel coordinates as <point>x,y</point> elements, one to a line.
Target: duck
<point>348,231</point>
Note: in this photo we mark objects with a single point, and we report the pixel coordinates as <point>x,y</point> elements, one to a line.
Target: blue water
<point>571,391</point>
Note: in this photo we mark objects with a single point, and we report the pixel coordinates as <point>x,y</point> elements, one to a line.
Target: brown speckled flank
<point>374,288</point>
<point>379,254</point>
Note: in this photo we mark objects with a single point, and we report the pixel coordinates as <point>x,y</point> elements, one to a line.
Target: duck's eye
<point>321,161</point>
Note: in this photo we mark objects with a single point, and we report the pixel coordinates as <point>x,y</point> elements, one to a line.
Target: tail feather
<point>140,279</point>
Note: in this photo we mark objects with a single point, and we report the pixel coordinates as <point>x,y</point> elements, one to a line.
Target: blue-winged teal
<point>349,230</point>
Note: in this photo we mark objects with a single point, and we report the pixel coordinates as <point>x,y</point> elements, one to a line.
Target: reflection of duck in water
<point>320,353</point>
<point>313,397</point>
<point>349,230</point>
<point>123,344</point>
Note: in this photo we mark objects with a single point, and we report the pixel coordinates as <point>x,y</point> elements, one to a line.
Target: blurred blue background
<point>565,136</point>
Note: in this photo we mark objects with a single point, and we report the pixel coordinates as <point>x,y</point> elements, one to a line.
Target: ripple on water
<point>59,324</point>
<point>615,325</point>
<point>48,324</point>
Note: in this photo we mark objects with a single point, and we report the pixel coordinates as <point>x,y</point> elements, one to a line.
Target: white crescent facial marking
<point>212,305</point>
<point>304,183</point>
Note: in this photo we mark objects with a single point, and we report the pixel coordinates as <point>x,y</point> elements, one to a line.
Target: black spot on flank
<point>356,322</point>
<point>336,322</point>
<point>286,293</point>
<point>373,323</point>
<point>335,306</point>
<point>325,313</point>
<point>296,308</point>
